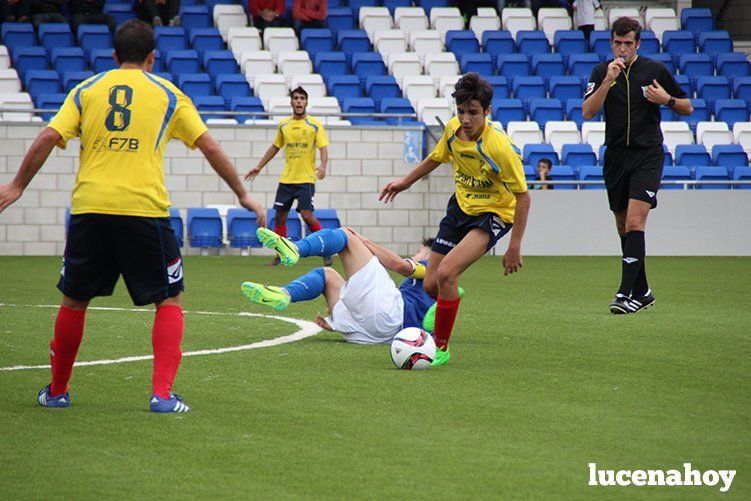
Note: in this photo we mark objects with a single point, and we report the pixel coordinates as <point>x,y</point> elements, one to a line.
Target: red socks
<point>444,320</point>
<point>281,230</point>
<point>166,337</point>
<point>64,347</point>
<point>315,227</point>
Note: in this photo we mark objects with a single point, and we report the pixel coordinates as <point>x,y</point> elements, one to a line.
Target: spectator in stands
<point>89,12</point>
<point>47,11</point>
<point>15,11</point>
<point>267,13</point>
<point>159,12</point>
<point>468,8</point>
<point>543,171</point>
<point>308,14</point>
<point>584,15</point>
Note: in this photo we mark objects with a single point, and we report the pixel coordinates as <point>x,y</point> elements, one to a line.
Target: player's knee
<point>447,276</point>
<point>635,224</point>
<point>431,288</point>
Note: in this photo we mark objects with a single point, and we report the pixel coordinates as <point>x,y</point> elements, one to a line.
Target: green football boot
<point>285,249</point>
<point>442,357</point>
<point>428,322</point>
<point>274,297</point>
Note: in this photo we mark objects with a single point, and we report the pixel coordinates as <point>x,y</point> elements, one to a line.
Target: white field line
<point>306,329</point>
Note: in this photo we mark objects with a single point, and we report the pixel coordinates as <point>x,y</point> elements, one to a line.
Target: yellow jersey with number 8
<point>125,118</point>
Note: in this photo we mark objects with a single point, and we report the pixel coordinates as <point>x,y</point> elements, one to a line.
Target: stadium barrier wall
<point>361,161</point>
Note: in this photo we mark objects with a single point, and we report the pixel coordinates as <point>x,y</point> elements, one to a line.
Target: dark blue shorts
<point>288,193</point>
<point>101,247</point>
<point>456,224</point>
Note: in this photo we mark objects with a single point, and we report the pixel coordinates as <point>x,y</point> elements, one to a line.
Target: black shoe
<point>327,261</point>
<point>643,302</point>
<point>621,305</point>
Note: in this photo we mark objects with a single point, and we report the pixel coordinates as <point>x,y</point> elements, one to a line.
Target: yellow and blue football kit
<point>300,139</point>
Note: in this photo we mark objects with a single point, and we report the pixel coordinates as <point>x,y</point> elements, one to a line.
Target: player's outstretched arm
<point>221,163</point>
<point>391,190</point>
<point>270,153</point>
<point>30,165</point>
<point>512,259</point>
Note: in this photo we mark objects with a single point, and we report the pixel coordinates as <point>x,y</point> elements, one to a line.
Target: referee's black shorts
<point>632,173</point>
<point>101,247</point>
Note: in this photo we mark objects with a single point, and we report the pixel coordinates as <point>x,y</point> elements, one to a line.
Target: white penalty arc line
<point>307,329</point>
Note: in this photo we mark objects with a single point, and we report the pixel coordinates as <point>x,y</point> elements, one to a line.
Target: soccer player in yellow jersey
<point>300,135</point>
<point>119,222</point>
<point>491,198</point>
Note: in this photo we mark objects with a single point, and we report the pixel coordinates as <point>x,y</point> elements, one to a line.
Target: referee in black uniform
<point>632,88</point>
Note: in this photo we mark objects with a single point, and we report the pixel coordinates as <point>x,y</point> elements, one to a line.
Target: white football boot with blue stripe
<point>173,404</point>
<point>45,400</point>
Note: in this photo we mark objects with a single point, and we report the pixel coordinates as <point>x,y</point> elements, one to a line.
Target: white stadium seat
<point>558,133</point>
<point>444,19</point>
<point>17,101</point>
<point>742,135</point>
<point>517,24</point>
<point>4,57</point>
<point>409,19</point>
<point>430,110</point>
<point>517,12</point>
<point>241,39</point>
<point>522,133</point>
<point>388,42</point>
<point>279,106</point>
<point>593,134</point>
<point>228,16</point>
<point>447,85</point>
<point>374,19</point>
<point>268,86</point>
<point>485,20</point>
<point>416,87</point>
<point>294,63</point>
<point>404,64</point>
<point>660,20</point>
<point>221,121</point>
<point>335,121</point>
<point>277,40</point>
<point>313,84</point>
<point>712,133</point>
<point>425,42</point>
<point>551,20</point>
<point>324,106</point>
<point>441,64</point>
<point>617,12</point>
<point>675,133</point>
<point>256,62</point>
<point>9,81</point>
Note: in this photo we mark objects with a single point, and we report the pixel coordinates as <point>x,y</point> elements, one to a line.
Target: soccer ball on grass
<point>412,348</point>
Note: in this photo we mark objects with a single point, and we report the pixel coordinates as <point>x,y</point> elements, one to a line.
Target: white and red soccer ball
<point>412,348</point>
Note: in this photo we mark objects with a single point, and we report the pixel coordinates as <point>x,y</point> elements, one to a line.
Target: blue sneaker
<point>45,400</point>
<point>174,404</point>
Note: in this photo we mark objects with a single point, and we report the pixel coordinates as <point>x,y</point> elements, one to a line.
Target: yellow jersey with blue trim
<point>487,172</point>
<point>300,138</point>
<point>125,119</point>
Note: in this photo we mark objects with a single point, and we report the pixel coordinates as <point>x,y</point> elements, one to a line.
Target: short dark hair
<point>428,242</point>
<point>472,86</point>
<point>298,90</point>
<point>547,162</point>
<point>624,25</point>
<point>134,41</point>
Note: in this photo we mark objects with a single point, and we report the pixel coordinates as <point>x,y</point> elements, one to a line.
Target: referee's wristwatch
<point>671,103</point>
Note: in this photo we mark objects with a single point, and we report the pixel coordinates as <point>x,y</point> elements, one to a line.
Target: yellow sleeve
<point>441,153</point>
<point>67,121</point>
<point>511,168</point>
<point>279,140</point>
<point>187,125</point>
<point>321,140</point>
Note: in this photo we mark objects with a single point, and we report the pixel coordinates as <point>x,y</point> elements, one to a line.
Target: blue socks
<point>323,243</point>
<point>308,286</point>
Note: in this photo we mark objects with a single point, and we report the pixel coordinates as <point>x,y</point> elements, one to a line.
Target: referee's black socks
<point>641,287</point>
<point>633,277</point>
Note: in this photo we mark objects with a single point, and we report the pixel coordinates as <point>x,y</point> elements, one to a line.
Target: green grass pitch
<point>543,381</point>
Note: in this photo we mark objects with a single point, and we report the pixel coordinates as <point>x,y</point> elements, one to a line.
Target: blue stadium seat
<point>667,115</point>
<point>574,112</point>
<point>715,42</point>
<point>599,43</point>
<point>294,226</point>
<point>328,218</point>
<point>367,63</point>
<point>562,173</point>
<point>532,153</point>
<point>712,174</point>
<point>158,66</point>
<point>55,35</point>
<point>667,60</point>
<point>317,40</point>
<point>564,88</point>
<point>379,87</point>
<point>120,11</point>
<point>668,157</point>
<point>102,60</point>
<point>692,155</point>
<point>391,5</point>
<point>742,174</point>
<point>675,173</point>
<point>195,84</point>
<point>742,89</point>
<point>567,42</point>
<point>195,17</point>
<point>529,172</point>
<point>581,65</point>
<point>577,155</point>
<point>677,43</point>
<point>396,105</point>
<point>711,89</point>
<point>500,86</point>
<point>176,221</point>
<point>42,82</point>
<point>216,62</point>
<point>93,36</point>
<point>16,35</point>
<point>249,104</point>
<point>731,111</point>
<point>601,154</point>
<point>182,61</point>
<point>328,64</point>
<point>339,19</point>
<point>526,88</point>
<point>696,65</point>
<point>353,41</point>
<point>590,173</point>
<point>697,20</point>
<point>231,85</point>
<point>358,105</point>
<point>543,111</point>
<point>732,65</point>
<point>29,58</point>
<point>729,155</point>
<point>462,42</point>
<point>685,84</point>
<point>511,65</point>
<point>701,114</point>
<point>170,38</point>
<point>498,42</point>
<point>210,103</point>
<point>479,63</point>
<point>649,43</point>
<point>203,39</point>
<point>204,228</point>
<point>429,4</point>
<point>50,102</point>
<point>73,78</point>
<point>531,42</point>
<point>68,59</point>
<point>548,65</point>
<point>508,110</point>
<point>356,4</point>
<point>241,228</point>
<point>165,76</point>
<point>344,86</point>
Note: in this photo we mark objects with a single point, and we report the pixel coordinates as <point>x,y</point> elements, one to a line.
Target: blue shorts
<point>288,193</point>
<point>456,224</point>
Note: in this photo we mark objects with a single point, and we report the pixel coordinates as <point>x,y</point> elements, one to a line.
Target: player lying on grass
<point>366,307</point>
